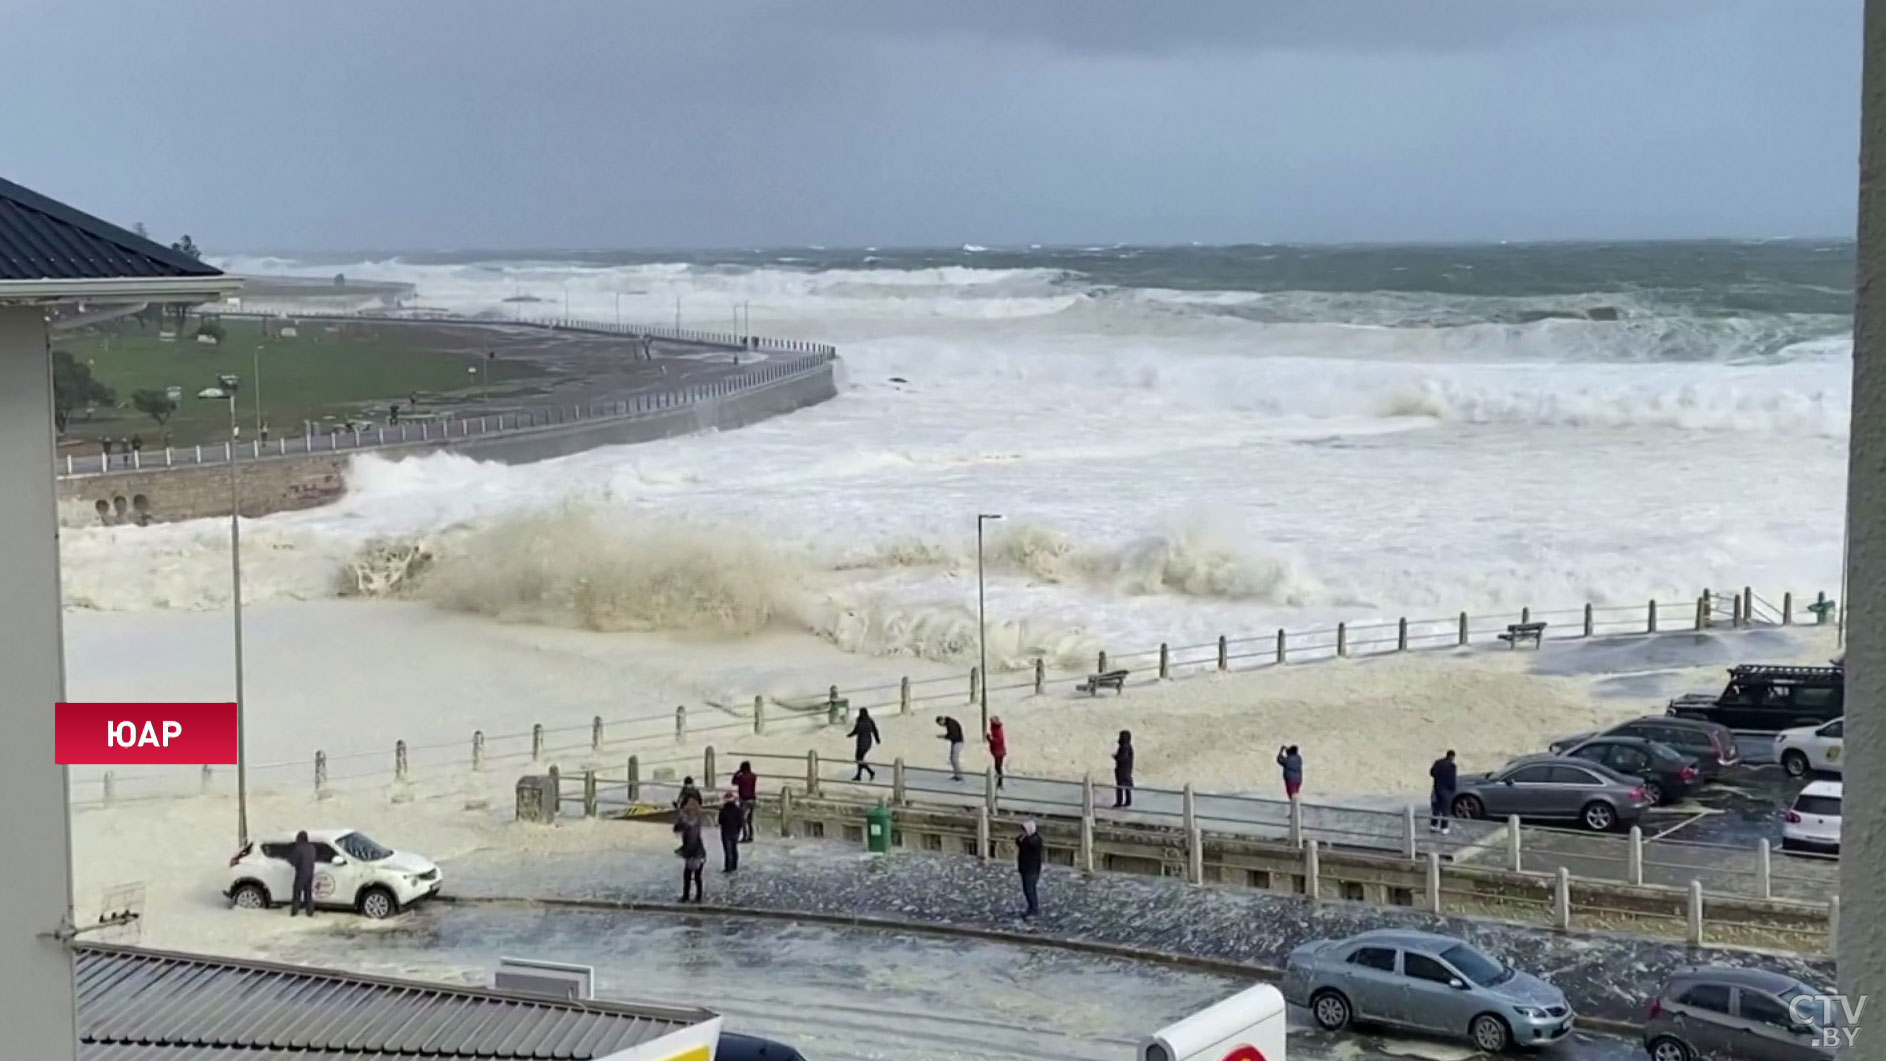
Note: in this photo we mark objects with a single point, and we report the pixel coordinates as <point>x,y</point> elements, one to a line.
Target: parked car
<point>1553,788</point>
<point>1713,745</point>
<point>1764,698</point>
<point>351,873</point>
<point>1668,775</point>
<point>1723,1012</point>
<point>1428,983</point>
<point>1813,822</point>
<point>1809,748</point>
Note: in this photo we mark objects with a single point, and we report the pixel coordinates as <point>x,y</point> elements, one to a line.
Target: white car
<point>1813,823</point>
<point>1807,748</point>
<point>351,872</point>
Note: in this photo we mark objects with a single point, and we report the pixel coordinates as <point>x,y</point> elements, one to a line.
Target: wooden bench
<point>1517,632</point>
<point>1113,679</point>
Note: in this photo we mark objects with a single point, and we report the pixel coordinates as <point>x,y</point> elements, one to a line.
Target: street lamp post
<point>982,627</point>
<point>258,392</point>
<point>228,386</point>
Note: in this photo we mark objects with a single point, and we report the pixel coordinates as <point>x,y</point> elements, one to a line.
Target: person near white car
<point>345,870</point>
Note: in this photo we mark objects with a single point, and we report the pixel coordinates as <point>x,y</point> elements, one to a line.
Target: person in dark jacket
<point>747,784</point>
<point>864,735</point>
<point>953,732</point>
<point>1123,770</point>
<point>1441,801</point>
<point>303,859</point>
<point>732,822</point>
<point>1028,855</point>
<point>692,851</point>
<point>690,793</point>
<point>1291,762</point>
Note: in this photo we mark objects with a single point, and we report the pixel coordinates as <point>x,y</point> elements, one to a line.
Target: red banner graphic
<point>145,734</point>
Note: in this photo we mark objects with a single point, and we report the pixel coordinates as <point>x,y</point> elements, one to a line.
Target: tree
<point>141,230</point>
<point>156,404</point>
<point>74,387</point>
<point>186,245</point>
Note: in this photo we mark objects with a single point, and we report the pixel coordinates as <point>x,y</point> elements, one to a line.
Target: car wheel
<point>377,904</point>
<point>1469,807</point>
<point>1599,816</point>
<point>1668,1048</point>
<point>1490,1033</point>
<point>1331,1010</point>
<point>249,896</point>
<point>1653,791</point>
<point>1794,762</point>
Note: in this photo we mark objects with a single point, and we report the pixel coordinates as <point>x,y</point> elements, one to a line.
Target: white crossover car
<point>351,872</point>
<point>1808,748</point>
<point>1813,823</point>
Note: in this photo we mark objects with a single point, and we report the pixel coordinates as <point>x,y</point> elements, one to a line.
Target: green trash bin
<point>877,828</point>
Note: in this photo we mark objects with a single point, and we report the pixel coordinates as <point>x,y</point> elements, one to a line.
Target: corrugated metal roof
<point>144,1005</point>
<point>43,239</point>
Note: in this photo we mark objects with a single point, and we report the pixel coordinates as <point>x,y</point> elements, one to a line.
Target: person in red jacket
<point>747,784</point>
<point>998,747</point>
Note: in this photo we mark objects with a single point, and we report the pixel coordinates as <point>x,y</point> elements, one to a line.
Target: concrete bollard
<point>1086,857</point>
<point>812,772</point>
<point>595,733</point>
<point>1833,927</point>
<point>785,813</point>
<point>1696,914</point>
<point>903,696</point>
<point>1589,626</point>
<point>1513,861</point>
<point>589,794</point>
<point>681,724</point>
<point>1283,646</point>
<point>203,780</point>
<point>1401,635</point>
<point>1224,653</point>
<point>1296,823</point>
<point>1463,629</point>
<point>1562,900</point>
<point>399,761</point>
<point>1041,676</point>
<point>320,774</point>
<point>1748,606</point>
<point>1764,880</point>
<point>988,787</point>
<point>1650,617</point>
<point>110,788</point>
<point>1188,807</point>
<point>1102,668</point>
<point>1165,661</point>
<point>707,768</point>
<point>982,833</point>
<point>1787,608</point>
<point>1312,875</point>
<point>1408,850</point>
<point>1194,855</point>
<point>1087,795</point>
<point>537,742</point>
<point>759,715</point>
<point>1820,608</point>
<point>556,792</point>
<point>831,706</point>
<point>634,774</point>
<point>900,795</point>
<point>199,454</point>
<point>1735,612</point>
<point>478,750</point>
<point>1342,640</point>
<point>1634,857</point>
<point>1525,615</point>
<point>1702,611</point>
<point>975,681</point>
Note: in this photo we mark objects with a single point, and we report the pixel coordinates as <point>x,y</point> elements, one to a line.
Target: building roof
<point>147,1005</point>
<point>43,239</point>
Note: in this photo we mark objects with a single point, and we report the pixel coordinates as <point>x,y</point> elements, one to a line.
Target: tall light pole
<point>258,393</point>
<point>229,386</point>
<point>982,626</point>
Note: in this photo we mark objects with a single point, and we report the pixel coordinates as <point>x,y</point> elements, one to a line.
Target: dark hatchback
<point>1668,774</point>
<point>1711,744</point>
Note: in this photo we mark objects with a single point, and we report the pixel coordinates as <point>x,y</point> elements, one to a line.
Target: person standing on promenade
<point>953,733</point>
<point>1441,801</point>
<point>1123,770</point>
<point>747,784</point>
<point>301,892</point>
<point>731,821</point>
<point>1291,761</point>
<point>1028,857</point>
<point>998,748</point>
<point>693,851</point>
<point>690,793</point>
<point>864,735</point>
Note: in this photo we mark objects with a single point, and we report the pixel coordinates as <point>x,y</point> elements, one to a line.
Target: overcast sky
<point>436,124</point>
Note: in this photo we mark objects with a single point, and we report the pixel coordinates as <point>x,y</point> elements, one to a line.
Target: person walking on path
<point>747,784</point>
<point>953,732</point>
<point>692,851</point>
<point>1123,770</point>
<point>1028,856</point>
<point>1292,762</point>
<point>302,892</point>
<point>1441,801</point>
<point>732,820</point>
<point>864,735</point>
<point>998,748</point>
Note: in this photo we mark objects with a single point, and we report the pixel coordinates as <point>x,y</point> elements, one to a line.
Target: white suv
<point>351,872</point>
<point>1813,823</point>
<point>1806,748</point>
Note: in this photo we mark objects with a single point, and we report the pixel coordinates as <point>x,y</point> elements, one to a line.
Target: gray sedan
<point>1553,788</point>
<point>1425,982</point>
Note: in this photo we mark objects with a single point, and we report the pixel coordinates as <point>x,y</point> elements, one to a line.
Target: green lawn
<point>312,376</point>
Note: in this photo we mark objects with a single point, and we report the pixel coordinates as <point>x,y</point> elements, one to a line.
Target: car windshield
<point>362,847</point>
<point>1476,966</point>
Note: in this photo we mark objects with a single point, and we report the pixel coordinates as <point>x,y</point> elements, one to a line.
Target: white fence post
<point>1634,858</point>
<point>1696,913</point>
<point>1513,859</point>
<point>1764,882</point>
<point>1562,900</point>
<point>1434,881</point>
<point>812,772</point>
<point>1312,885</point>
<point>1408,832</point>
<point>982,833</point>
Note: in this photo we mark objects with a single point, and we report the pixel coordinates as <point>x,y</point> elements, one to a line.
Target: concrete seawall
<point>278,485</point>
